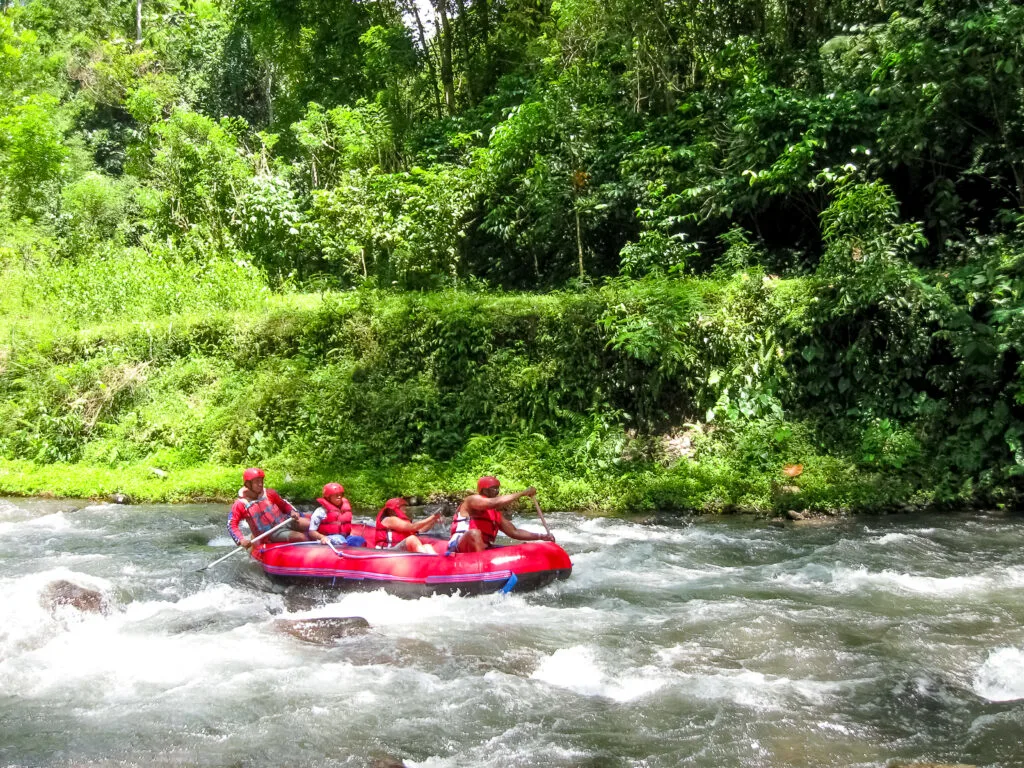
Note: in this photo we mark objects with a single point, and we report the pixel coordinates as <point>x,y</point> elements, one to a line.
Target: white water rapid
<point>707,643</point>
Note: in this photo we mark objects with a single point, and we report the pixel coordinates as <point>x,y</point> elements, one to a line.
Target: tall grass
<point>153,373</point>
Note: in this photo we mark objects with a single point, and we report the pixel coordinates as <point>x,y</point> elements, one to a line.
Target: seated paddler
<point>262,509</point>
<point>479,518</point>
<point>331,521</point>
<point>396,531</point>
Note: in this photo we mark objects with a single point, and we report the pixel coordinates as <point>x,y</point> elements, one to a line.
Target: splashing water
<point>718,643</point>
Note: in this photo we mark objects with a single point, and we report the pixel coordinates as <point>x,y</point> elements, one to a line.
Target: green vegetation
<point>641,255</point>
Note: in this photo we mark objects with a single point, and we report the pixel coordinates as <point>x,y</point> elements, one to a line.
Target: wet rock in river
<point>64,592</point>
<point>120,498</point>
<point>322,631</point>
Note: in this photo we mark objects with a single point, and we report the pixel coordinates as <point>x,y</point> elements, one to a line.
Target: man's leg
<point>472,541</point>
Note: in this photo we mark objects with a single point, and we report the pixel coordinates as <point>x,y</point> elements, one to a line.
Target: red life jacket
<point>385,537</point>
<point>488,526</point>
<point>262,514</point>
<point>460,521</point>
<point>338,520</point>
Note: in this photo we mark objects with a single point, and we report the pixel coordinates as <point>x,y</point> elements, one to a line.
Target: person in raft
<point>478,519</point>
<point>263,508</point>
<point>332,520</point>
<point>396,531</point>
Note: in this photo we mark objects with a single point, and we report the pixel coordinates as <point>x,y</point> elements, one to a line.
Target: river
<point>703,643</point>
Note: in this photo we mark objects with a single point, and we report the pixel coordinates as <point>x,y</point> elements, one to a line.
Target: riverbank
<point>628,397</point>
<point>823,489</point>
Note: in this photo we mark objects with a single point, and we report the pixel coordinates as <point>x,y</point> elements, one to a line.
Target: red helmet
<point>332,488</point>
<point>396,504</point>
<point>487,481</point>
<point>251,474</point>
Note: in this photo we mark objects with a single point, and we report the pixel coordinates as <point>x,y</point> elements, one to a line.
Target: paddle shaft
<point>236,549</point>
<point>541,515</point>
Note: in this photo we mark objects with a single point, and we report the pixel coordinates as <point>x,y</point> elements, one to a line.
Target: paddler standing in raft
<point>263,508</point>
<point>478,518</point>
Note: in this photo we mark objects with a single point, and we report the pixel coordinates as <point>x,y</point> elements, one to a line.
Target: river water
<point>712,643</point>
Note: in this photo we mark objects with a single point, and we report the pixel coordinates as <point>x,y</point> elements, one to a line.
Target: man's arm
<point>314,523</point>
<point>281,503</point>
<point>234,518</point>
<point>519,534</point>
<point>480,505</point>
<point>404,526</point>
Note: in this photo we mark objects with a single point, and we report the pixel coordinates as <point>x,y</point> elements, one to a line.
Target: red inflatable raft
<point>518,567</point>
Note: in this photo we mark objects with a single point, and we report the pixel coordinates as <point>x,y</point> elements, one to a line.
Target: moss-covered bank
<point>655,394</point>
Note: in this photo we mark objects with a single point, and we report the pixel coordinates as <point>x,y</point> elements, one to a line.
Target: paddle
<point>236,549</point>
<point>540,514</point>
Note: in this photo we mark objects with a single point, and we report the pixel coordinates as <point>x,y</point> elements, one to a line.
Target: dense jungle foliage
<point>644,255</point>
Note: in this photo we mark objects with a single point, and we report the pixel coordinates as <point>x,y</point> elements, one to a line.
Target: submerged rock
<point>812,522</point>
<point>806,517</point>
<point>322,631</point>
<point>64,592</point>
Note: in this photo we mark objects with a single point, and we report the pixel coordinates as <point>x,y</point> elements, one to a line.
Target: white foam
<point>116,660</point>
<point>759,691</point>
<point>25,621</point>
<point>1001,676</point>
<point>827,726</point>
<point>219,599</point>
<point>435,618</point>
<point>385,610</point>
<point>46,649</point>
<point>895,538</point>
<point>522,744</point>
<point>56,522</point>
<point>1015,576</point>
<point>846,580</point>
<point>577,669</point>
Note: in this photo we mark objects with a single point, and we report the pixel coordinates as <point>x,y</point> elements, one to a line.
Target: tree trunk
<point>447,76</point>
<point>464,38</point>
<point>268,92</point>
<point>484,11</point>
<point>1018,175</point>
<point>579,242</point>
<point>414,9</point>
<point>138,22</point>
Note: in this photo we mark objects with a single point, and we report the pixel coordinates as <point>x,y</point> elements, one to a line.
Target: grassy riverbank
<point>691,487</point>
<point>633,396</point>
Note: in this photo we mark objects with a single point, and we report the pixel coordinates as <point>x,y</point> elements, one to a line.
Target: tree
<point>32,154</point>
